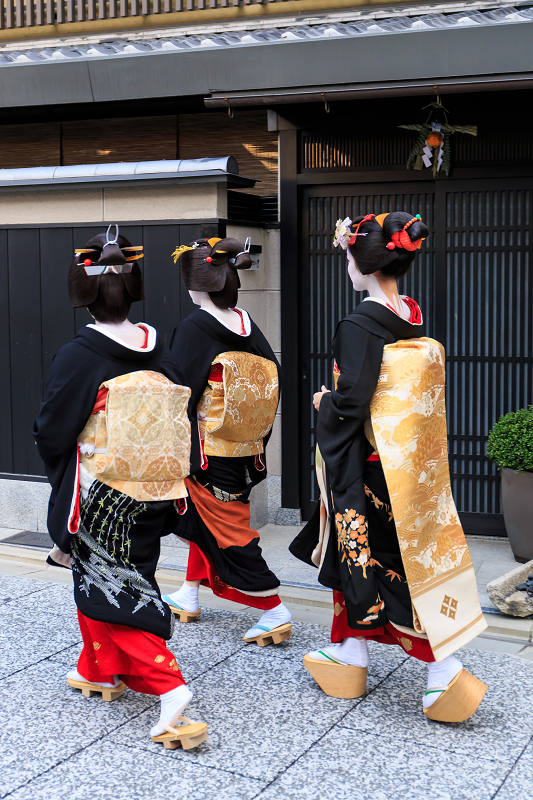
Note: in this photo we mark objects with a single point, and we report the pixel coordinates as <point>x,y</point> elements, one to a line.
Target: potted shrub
<point>510,446</point>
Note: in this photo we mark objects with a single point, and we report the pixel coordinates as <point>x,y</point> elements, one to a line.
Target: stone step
<point>500,627</point>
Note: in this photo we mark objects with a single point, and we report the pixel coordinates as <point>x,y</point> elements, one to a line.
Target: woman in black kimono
<point>214,345</point>
<point>111,539</point>
<point>362,560</point>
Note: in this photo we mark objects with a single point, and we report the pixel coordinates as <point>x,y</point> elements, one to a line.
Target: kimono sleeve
<point>343,412</point>
<point>192,351</point>
<point>69,398</point>
<point>70,394</point>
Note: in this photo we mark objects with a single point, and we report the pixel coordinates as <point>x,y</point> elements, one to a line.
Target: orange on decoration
<point>434,139</point>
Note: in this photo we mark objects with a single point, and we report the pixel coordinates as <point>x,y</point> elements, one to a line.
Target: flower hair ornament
<point>344,236</point>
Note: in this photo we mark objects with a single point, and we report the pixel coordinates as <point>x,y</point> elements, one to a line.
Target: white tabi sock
<point>273,618</point>
<point>74,675</point>
<point>440,674</point>
<point>173,704</point>
<point>351,651</point>
<point>186,598</point>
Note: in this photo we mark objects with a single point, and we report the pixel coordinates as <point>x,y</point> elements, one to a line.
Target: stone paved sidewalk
<point>272,732</point>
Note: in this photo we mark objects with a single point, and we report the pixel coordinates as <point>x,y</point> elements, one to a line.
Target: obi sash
<point>239,404</point>
<point>408,427</point>
<point>138,438</point>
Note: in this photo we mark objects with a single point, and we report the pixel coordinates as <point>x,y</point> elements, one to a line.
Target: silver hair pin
<point>111,241</point>
<point>247,245</point>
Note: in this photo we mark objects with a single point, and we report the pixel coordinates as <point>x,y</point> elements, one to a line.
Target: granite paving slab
<point>53,721</point>
<point>518,782</point>
<point>272,732</point>
<point>35,626</point>
<point>355,765</point>
<point>262,712</point>
<point>108,771</point>
<point>13,587</point>
<point>397,706</point>
<point>69,656</point>
<point>201,645</point>
<point>384,659</point>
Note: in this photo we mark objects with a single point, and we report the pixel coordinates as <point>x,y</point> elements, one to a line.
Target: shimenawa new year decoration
<point>433,146</point>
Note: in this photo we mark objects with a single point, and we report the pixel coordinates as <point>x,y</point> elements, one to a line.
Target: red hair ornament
<point>402,240</point>
<point>366,218</point>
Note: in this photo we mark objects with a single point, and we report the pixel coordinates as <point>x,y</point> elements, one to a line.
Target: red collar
<point>415,317</point>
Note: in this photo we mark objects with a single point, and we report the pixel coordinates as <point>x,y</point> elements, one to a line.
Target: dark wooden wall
<point>149,138</point>
<point>473,277</point>
<point>36,318</point>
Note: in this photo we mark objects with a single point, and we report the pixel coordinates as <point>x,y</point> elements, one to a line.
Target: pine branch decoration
<point>427,152</point>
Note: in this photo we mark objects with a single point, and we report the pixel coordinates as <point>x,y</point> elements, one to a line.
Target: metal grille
<point>489,335</point>
<point>34,539</point>
<point>341,152</point>
<point>494,144</point>
<point>473,282</point>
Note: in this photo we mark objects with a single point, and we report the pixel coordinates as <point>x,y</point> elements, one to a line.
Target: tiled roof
<point>372,25</point>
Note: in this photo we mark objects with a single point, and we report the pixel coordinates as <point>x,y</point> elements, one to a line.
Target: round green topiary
<point>510,443</point>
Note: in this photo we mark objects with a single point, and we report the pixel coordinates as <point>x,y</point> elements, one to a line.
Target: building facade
<point>308,97</point>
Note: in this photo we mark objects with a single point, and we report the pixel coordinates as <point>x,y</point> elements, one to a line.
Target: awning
<point>191,170</point>
<point>470,48</point>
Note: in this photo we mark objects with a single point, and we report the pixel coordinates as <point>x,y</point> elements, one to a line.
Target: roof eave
<point>215,176</point>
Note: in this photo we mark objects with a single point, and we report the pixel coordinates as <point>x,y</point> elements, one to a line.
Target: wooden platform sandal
<point>337,680</point>
<point>270,635</point>
<point>188,736</point>
<point>185,616</point>
<point>459,700</point>
<point>88,689</point>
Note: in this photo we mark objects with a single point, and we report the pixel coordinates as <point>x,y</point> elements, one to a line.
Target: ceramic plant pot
<point>517,495</point>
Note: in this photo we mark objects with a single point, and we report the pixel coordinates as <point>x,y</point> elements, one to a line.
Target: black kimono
<point>362,561</point>
<point>220,489</point>
<point>114,540</point>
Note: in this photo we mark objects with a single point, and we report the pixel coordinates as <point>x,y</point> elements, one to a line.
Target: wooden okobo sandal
<point>188,736</point>
<point>270,635</point>
<point>185,616</point>
<point>459,700</point>
<point>337,680</point>
<point>88,689</point>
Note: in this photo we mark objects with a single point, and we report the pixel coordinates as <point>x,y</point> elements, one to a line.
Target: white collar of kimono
<point>245,319</point>
<point>402,297</point>
<point>152,336</point>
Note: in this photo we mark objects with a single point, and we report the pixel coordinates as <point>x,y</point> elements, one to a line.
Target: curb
<point>500,627</point>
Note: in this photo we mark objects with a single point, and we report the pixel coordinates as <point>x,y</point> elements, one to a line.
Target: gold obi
<point>235,413</point>
<point>408,416</point>
<point>140,442</point>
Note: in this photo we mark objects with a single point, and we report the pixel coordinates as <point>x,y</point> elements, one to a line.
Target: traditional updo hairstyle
<point>108,297</point>
<point>389,247</point>
<point>211,266</point>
